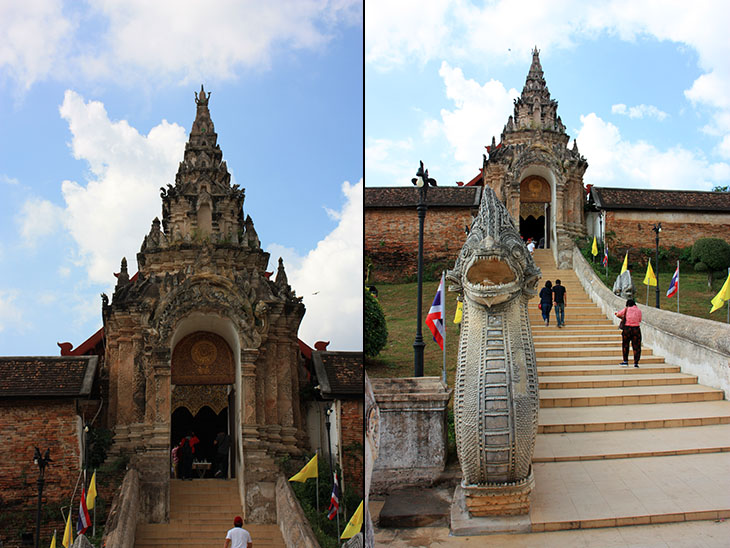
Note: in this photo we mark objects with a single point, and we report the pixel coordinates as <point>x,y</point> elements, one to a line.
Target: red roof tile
<point>405,196</point>
<point>339,373</point>
<point>671,200</point>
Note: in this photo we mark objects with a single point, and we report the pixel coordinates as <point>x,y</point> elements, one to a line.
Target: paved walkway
<point>619,450</point>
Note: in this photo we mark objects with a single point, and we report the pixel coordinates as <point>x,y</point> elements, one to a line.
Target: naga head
<point>494,265</point>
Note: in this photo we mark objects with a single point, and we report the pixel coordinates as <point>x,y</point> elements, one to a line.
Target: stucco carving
<point>496,392</point>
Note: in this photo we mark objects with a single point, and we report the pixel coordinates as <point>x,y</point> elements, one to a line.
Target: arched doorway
<point>535,198</point>
<point>202,378</point>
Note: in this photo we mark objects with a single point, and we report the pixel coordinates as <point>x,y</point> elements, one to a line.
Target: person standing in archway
<point>222,443</point>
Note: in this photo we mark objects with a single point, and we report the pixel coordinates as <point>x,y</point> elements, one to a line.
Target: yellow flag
<point>354,525</point>
<point>53,541</point>
<point>724,294</point>
<point>650,278</point>
<point>459,312</point>
<point>310,470</point>
<point>68,539</point>
<point>625,266</point>
<point>91,495</point>
<point>594,249</point>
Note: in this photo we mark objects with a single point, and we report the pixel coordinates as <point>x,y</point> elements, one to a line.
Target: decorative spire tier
<point>534,109</point>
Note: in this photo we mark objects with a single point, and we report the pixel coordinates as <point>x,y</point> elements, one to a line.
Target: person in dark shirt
<point>546,301</point>
<point>560,302</point>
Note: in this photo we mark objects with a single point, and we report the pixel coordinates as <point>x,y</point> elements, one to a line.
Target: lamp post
<point>42,462</point>
<point>422,182</point>
<point>657,228</point>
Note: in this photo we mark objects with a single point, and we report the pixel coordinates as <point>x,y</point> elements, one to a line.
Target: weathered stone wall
<point>391,239</point>
<point>700,347</point>
<point>121,525</point>
<point>412,432</point>
<point>290,518</point>
<point>351,422</point>
<point>634,228</point>
<point>53,425</point>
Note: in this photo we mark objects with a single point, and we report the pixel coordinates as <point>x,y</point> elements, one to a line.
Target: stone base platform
<point>463,524</point>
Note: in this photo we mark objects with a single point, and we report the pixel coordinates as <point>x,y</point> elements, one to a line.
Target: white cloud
<point>109,215</point>
<point>480,112</point>
<point>616,162</point>
<point>393,161</point>
<point>329,278</point>
<point>639,111</point>
<point>504,31</point>
<point>8,180</point>
<point>38,218</point>
<point>35,35</point>
<point>10,314</point>
<point>213,39</point>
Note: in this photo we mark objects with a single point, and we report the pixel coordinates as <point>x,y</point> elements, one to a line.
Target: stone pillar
<point>272,427</point>
<point>412,431</point>
<point>249,430</point>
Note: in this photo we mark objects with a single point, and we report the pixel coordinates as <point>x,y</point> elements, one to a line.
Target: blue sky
<point>642,86</point>
<point>96,100</point>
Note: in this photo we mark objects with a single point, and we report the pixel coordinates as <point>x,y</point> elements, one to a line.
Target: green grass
<point>399,305</point>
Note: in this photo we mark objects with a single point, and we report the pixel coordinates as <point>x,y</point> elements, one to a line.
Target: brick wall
<point>25,424</point>
<point>391,239</point>
<point>634,229</point>
<point>351,418</point>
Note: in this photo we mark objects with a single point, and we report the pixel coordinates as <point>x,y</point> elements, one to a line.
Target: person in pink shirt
<point>631,332</point>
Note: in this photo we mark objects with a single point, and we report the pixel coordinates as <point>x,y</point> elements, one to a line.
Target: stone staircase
<point>620,446</point>
<point>201,512</point>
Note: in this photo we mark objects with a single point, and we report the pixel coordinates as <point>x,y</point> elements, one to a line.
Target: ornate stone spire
<point>534,109</point>
<point>202,205</point>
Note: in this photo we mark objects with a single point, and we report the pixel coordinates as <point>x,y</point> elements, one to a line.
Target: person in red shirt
<point>631,332</point>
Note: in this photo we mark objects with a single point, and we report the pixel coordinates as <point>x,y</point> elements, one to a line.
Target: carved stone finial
<point>201,98</point>
<point>281,279</point>
<point>123,276</point>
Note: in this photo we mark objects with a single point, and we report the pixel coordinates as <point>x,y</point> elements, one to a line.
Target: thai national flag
<point>674,285</point>
<point>435,318</point>
<point>334,500</point>
<point>605,256</point>
<point>84,518</point>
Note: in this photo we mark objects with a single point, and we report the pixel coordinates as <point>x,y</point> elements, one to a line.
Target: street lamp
<point>657,229</point>
<point>422,182</point>
<point>42,462</point>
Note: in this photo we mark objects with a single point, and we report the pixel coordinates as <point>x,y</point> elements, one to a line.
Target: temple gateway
<point>200,339</point>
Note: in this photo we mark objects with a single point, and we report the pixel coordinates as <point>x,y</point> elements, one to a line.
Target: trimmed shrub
<point>376,331</point>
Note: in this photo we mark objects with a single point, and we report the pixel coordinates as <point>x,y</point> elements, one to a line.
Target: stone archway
<point>535,198</point>
<point>202,371</point>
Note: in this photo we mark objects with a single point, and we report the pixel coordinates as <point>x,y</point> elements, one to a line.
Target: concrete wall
<point>700,347</point>
<point>412,431</point>
<point>290,518</point>
<point>121,525</point>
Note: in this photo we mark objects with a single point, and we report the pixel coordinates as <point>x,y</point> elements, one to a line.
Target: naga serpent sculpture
<point>496,392</point>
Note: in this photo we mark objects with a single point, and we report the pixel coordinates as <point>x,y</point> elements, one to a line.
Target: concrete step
<point>582,351</point>
<point>586,341</point>
<point>611,369</point>
<point>639,491</point>
<point>612,359</point>
<point>608,381</point>
<point>628,395</point>
<point>560,420</point>
<point>632,443</point>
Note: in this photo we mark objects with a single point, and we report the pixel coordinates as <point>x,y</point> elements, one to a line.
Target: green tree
<point>710,255</point>
<point>719,188</point>
<point>376,331</point>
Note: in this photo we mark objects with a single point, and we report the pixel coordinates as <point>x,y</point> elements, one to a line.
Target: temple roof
<point>339,373</point>
<point>440,196</point>
<point>667,200</point>
<point>34,376</point>
<point>535,81</point>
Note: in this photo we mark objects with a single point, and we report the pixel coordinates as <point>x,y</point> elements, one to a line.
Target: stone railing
<point>290,518</point>
<point>121,525</point>
<point>700,347</point>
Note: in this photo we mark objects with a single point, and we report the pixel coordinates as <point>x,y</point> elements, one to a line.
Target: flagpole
<point>317,497</point>
<point>443,319</point>
<point>677,287</point>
